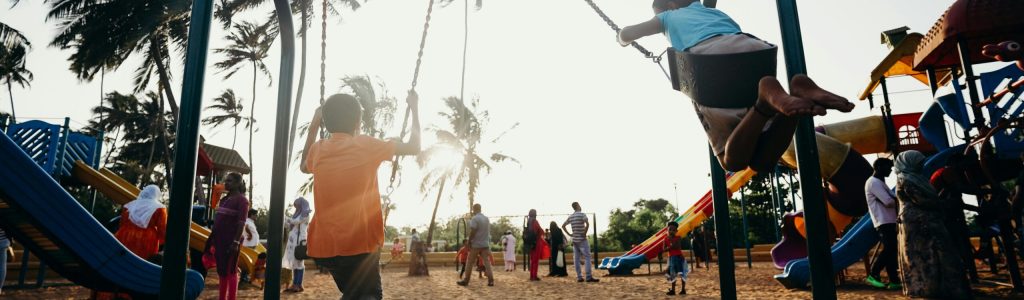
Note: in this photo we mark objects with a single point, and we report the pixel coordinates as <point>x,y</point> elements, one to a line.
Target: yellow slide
<point>121,192</point>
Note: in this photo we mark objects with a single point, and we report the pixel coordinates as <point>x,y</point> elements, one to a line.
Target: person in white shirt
<point>509,242</point>
<point>250,234</point>
<point>882,207</point>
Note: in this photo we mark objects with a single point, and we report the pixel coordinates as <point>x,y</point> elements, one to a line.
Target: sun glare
<point>447,157</point>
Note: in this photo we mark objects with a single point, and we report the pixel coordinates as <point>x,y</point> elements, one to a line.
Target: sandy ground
<point>755,283</point>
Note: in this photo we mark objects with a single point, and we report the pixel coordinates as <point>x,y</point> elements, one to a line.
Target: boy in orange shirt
<point>347,231</point>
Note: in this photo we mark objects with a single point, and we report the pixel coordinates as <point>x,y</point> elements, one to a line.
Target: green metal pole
<point>594,248</point>
<point>720,195</point>
<point>186,145</point>
<point>275,251</point>
<point>776,212</point>
<point>818,251</point>
<point>746,236</point>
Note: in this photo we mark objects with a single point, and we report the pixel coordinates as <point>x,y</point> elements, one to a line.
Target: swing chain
<point>415,80</point>
<point>644,51</point>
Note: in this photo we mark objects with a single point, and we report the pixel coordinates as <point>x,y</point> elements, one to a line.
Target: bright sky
<point>599,123</point>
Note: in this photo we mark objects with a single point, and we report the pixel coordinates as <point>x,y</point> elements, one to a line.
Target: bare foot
<point>773,99</point>
<point>803,87</point>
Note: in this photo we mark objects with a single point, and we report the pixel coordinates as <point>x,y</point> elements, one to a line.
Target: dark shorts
<point>357,276</point>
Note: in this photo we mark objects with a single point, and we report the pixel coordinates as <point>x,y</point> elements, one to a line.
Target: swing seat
<point>721,80</point>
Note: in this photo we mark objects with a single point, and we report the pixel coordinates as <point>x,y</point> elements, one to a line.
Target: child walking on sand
<point>347,232</point>
<point>677,267</point>
<point>755,135</point>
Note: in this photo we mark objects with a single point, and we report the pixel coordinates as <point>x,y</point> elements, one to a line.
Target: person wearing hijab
<point>143,223</point>
<point>226,237</point>
<point>931,266</point>
<point>539,248</point>
<point>142,229</point>
<point>556,240</point>
<point>297,225</point>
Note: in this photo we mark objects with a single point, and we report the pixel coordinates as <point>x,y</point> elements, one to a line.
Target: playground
<point>941,112</point>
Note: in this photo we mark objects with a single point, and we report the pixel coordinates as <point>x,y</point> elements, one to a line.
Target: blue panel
<point>1009,143</point>
<point>933,127</point>
<point>39,140</point>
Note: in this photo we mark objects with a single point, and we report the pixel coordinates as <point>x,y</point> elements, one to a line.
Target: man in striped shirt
<point>580,246</point>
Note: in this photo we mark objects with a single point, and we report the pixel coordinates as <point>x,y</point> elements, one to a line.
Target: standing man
<point>479,244</point>
<point>580,246</point>
<point>882,206</point>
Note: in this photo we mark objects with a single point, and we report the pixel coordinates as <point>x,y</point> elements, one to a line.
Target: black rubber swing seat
<point>721,80</point>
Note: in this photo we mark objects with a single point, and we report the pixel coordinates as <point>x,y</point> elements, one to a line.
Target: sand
<point>755,283</point>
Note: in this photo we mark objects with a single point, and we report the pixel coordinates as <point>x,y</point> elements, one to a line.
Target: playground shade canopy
<point>900,62</point>
<point>978,22</point>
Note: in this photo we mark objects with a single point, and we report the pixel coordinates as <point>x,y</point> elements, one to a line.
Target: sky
<point>598,123</point>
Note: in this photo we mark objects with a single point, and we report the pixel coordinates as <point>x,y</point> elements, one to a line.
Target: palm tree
<point>104,34</point>
<point>10,37</point>
<point>12,70</point>
<point>464,137</point>
<point>248,44</point>
<point>231,109</point>
<point>140,125</point>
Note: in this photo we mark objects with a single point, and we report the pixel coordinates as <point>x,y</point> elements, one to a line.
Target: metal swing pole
<point>818,251</point>
<point>275,249</point>
<point>720,195</point>
<point>179,211</point>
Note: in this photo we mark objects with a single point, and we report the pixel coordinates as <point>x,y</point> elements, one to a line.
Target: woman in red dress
<point>540,246</point>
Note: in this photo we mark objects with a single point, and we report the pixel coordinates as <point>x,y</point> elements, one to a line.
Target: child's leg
<point>745,145</point>
<point>803,87</point>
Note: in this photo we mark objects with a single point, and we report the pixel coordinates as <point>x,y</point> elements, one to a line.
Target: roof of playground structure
<point>978,22</point>
<point>900,62</point>
<point>225,159</point>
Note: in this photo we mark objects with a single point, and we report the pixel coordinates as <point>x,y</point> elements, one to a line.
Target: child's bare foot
<point>773,99</point>
<point>803,87</point>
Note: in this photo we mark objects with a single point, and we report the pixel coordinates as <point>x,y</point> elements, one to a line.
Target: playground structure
<point>41,215</point>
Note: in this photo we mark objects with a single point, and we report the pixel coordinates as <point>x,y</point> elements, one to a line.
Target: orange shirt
<point>216,194</point>
<point>348,219</point>
<point>144,242</point>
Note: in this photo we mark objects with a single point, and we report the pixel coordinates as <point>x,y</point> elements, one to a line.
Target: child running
<point>347,232</point>
<point>676,262</point>
<point>754,136</point>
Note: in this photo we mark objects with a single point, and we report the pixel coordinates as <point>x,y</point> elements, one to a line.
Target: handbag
<point>300,251</point>
<point>209,261</point>
<point>560,260</point>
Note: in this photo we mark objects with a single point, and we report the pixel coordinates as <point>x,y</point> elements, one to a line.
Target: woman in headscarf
<point>538,247</point>
<point>143,223</point>
<point>297,225</point>
<point>556,240</point>
<point>226,237</point>
<point>928,256</point>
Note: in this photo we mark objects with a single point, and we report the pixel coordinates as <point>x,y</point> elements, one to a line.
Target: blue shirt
<point>688,26</point>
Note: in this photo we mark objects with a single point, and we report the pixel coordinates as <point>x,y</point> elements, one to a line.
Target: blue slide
<point>622,265</point>
<point>855,243</point>
<point>38,213</point>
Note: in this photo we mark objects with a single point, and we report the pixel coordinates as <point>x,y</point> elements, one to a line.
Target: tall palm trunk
<point>234,138</point>
<point>14,118</point>
<point>252,128</point>
<point>433,216</point>
<point>302,82</point>
<point>165,82</point>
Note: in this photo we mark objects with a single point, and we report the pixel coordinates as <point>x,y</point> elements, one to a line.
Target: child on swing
<point>754,136</point>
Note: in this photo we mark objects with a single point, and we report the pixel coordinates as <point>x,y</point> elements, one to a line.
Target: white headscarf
<point>141,209</point>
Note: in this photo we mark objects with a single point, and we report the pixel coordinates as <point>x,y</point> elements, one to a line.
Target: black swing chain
<point>644,51</point>
<point>647,53</point>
